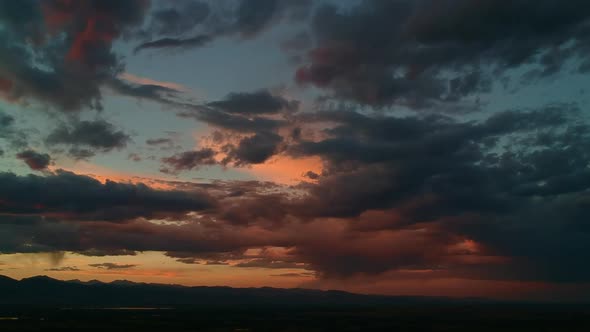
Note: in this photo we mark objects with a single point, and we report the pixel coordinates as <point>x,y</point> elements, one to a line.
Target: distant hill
<point>45,291</point>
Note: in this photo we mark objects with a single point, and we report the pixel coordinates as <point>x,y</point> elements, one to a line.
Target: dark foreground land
<point>45,304</point>
<point>474,317</point>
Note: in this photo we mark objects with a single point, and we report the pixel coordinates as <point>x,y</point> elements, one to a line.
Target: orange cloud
<point>148,81</point>
<point>103,174</point>
<point>286,170</point>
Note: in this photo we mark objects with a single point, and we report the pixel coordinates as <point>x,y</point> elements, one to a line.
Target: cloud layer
<point>400,168</point>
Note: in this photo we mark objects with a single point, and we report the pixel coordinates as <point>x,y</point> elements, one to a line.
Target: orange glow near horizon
<point>286,170</point>
<point>150,267</point>
<point>103,174</point>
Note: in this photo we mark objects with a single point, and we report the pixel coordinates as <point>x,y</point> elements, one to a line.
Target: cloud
<point>215,263</point>
<point>35,160</point>
<point>150,82</point>
<point>64,269</point>
<point>159,141</point>
<point>149,90</point>
<point>113,266</point>
<point>419,192</point>
<point>410,53</point>
<point>244,112</point>
<point>76,197</point>
<point>5,121</point>
<point>188,160</point>
<point>15,137</point>
<point>255,103</point>
<point>88,137</point>
<point>171,20</point>
<point>254,149</point>
<point>292,275</point>
<point>500,195</point>
<point>246,19</point>
<point>234,122</point>
<point>197,41</point>
<point>270,264</point>
<point>249,123</point>
<point>60,53</point>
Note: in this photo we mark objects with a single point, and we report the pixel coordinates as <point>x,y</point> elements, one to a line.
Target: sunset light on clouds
<point>370,146</point>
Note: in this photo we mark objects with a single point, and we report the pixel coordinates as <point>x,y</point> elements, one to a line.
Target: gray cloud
<point>245,19</point>
<point>35,160</point>
<point>188,160</point>
<point>80,197</point>
<point>88,137</point>
<point>422,53</point>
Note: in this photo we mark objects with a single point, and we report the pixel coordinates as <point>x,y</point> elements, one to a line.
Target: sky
<point>400,147</point>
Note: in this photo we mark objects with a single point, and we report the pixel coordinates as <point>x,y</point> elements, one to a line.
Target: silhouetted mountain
<point>45,291</point>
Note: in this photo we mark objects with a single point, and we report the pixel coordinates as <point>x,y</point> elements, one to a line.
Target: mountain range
<point>46,291</point>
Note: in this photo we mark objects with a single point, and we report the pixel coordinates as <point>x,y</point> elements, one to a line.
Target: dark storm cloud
<point>35,160</point>
<point>244,112</point>
<point>422,52</point>
<point>77,197</point>
<point>259,102</point>
<point>44,235</point>
<point>87,137</point>
<point>59,52</point>
<point>112,266</point>
<point>412,189</point>
<point>376,161</point>
<point>188,160</point>
<point>245,19</point>
<point>516,183</point>
<point>503,196</point>
<point>234,122</point>
<point>254,149</point>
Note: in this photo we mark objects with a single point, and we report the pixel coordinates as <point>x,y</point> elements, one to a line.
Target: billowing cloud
<point>70,196</point>
<point>422,53</point>
<point>378,190</point>
<point>254,149</point>
<point>60,52</point>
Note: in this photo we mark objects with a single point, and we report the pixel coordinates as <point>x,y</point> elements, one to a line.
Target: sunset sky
<point>405,147</point>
